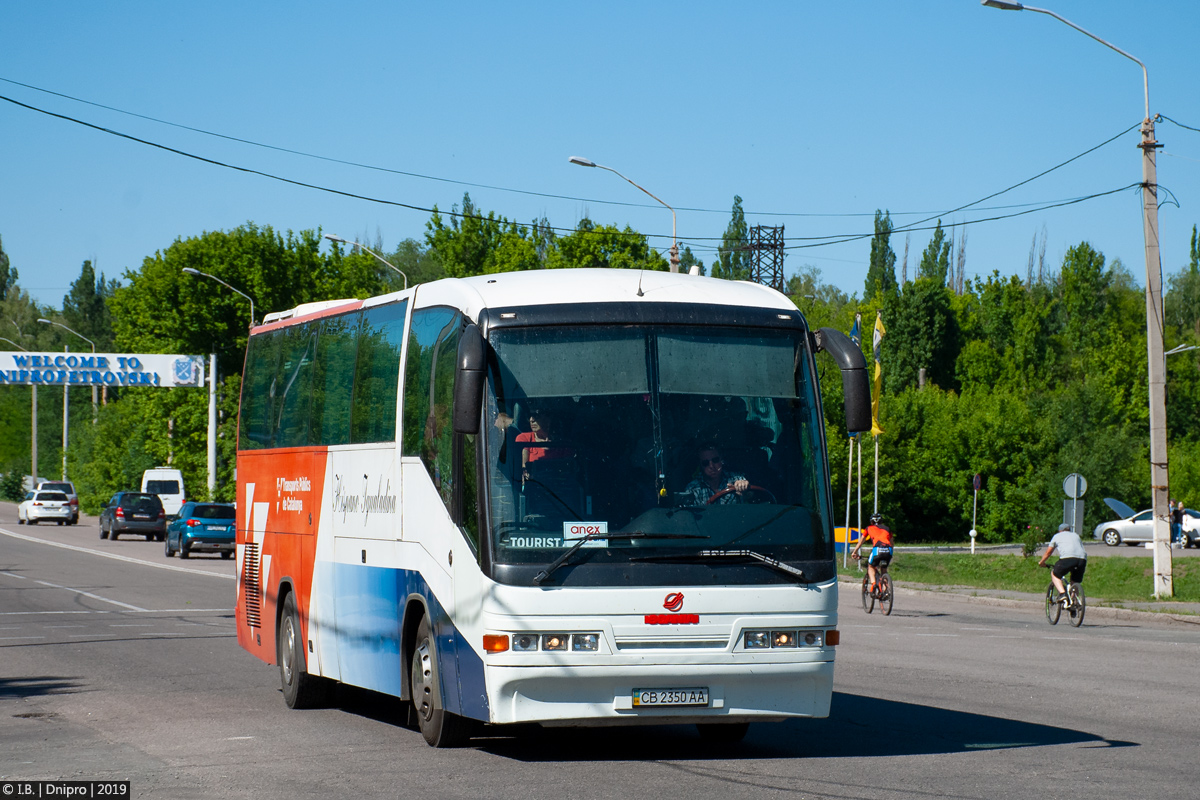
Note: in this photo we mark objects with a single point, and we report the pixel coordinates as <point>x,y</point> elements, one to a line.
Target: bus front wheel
<point>439,727</point>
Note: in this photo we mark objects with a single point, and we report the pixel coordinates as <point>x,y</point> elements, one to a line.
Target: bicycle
<point>1075,602</point>
<point>883,591</point>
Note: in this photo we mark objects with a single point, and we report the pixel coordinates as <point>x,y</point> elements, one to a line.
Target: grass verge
<point>1111,579</point>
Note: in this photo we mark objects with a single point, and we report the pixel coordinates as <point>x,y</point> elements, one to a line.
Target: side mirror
<point>855,385</point>
<point>468,383</point>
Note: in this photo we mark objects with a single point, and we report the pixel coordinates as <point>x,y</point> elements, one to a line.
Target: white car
<point>44,507</point>
<point>67,488</point>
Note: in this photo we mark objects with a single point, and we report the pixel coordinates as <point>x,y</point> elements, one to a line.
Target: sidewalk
<point>1163,611</point>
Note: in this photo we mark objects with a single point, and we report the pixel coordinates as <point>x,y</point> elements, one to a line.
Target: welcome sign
<point>100,369</point>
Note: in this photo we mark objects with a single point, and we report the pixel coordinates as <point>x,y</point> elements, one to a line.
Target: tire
<point>167,551</point>
<point>439,727</point>
<point>1053,607</point>
<point>103,533</point>
<point>61,523</point>
<point>867,601</point>
<point>149,537</point>
<point>226,554</point>
<point>1080,604</point>
<point>300,690</point>
<point>183,551</point>
<point>113,534</point>
<point>885,594</point>
<point>723,732</point>
<point>20,521</point>
<point>32,521</point>
<point>1112,538</point>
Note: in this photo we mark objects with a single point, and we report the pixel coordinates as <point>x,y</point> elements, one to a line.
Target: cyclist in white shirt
<point>1072,557</point>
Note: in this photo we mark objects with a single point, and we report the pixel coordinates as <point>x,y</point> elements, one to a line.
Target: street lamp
<point>1159,484</point>
<point>331,237</point>
<point>191,271</point>
<point>583,162</point>
<point>89,341</point>
<point>66,392</point>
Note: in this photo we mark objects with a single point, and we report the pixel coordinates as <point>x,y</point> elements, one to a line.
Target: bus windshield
<point>636,437</point>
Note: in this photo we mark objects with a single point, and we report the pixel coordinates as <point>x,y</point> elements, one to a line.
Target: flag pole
<point>876,511</point>
<point>849,487</point>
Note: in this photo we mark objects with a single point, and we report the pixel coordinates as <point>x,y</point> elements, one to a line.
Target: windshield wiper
<point>573,549</point>
<point>704,555</point>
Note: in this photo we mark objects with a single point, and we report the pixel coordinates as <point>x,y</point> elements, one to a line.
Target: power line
<point>816,241</point>
<point>797,214</point>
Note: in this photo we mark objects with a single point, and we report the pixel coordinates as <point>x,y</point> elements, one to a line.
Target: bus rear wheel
<point>439,727</point>
<point>300,690</point>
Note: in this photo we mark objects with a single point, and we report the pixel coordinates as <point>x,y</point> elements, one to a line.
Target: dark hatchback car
<point>202,528</point>
<point>134,512</point>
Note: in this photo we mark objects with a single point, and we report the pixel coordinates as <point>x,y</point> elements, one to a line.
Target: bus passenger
<point>714,479</point>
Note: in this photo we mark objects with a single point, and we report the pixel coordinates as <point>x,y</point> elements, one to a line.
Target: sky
<point>815,114</point>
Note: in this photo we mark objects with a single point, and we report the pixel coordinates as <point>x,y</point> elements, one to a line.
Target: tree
<point>592,245</point>
<point>923,333</point>
<point>8,275</point>
<point>935,261</point>
<point>474,244</point>
<point>733,257</point>
<point>881,274</point>
<point>85,307</point>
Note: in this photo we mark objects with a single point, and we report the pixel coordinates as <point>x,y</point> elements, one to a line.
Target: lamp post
<point>33,417</point>
<point>1159,484</point>
<point>583,162</point>
<point>191,271</point>
<point>66,394</point>
<point>89,341</point>
<point>331,237</point>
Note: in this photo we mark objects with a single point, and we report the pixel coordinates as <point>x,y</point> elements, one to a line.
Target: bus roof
<point>558,286</point>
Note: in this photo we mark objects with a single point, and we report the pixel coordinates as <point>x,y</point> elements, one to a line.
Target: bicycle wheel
<point>867,601</point>
<point>1053,608</point>
<point>1078,604</point>
<point>885,594</point>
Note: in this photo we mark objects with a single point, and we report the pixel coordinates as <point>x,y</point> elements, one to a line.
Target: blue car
<point>202,528</point>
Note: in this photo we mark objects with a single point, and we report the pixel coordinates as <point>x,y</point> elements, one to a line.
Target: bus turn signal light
<point>495,642</point>
<point>832,638</point>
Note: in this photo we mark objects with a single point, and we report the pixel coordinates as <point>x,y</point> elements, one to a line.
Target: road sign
<point>1075,486</point>
<point>978,481</point>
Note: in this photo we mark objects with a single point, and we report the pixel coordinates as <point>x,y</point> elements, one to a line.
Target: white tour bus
<point>487,496</point>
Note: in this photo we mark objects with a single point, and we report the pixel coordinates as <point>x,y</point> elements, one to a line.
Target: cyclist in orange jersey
<point>881,546</point>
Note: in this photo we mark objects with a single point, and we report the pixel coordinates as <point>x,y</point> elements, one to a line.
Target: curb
<point>1104,612</point>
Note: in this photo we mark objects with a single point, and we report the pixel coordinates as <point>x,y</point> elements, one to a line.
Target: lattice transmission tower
<point>766,255</point>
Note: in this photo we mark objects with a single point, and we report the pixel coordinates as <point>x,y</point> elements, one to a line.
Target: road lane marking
<point>11,575</point>
<point>91,636</point>
<point>10,638</point>
<point>89,594</point>
<point>90,551</point>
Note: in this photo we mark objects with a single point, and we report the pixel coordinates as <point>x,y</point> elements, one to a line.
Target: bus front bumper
<point>600,695</point>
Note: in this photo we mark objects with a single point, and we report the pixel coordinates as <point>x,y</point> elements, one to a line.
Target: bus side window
<point>258,392</point>
<point>333,379</point>
<point>377,374</point>
<point>293,385</point>
<point>429,394</point>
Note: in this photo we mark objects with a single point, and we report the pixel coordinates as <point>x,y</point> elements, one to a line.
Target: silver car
<point>1137,528</point>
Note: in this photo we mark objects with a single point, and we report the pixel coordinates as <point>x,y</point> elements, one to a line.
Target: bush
<point>1031,539</point>
<point>11,487</point>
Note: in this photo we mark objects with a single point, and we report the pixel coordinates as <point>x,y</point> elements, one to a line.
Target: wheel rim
<point>422,680</point>
<point>1111,538</point>
<point>287,656</point>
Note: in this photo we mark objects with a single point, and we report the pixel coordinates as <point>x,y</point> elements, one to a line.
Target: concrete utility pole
<point>1157,366</point>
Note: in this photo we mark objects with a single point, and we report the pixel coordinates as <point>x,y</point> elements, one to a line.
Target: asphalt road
<point>118,663</point>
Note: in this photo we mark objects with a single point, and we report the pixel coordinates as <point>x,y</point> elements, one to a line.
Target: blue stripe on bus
<point>368,602</point>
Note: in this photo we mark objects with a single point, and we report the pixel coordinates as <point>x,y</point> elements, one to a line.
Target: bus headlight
<point>585,642</point>
<point>525,642</point>
<point>554,641</point>
<point>765,640</point>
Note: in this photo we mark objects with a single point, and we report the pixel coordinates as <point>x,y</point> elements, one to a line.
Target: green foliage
<point>8,274</point>
<point>733,257</point>
<point>881,274</point>
<point>592,245</point>
<point>11,486</point>
<point>935,261</point>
